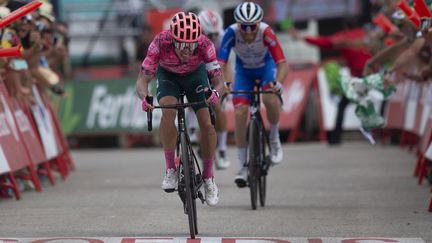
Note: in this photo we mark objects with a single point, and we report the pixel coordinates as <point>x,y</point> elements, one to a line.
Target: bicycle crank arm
<point>201,197</point>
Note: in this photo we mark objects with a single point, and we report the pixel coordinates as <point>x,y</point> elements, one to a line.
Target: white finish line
<point>210,240</point>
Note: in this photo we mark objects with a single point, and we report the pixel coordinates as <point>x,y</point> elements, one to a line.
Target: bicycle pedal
<point>169,190</point>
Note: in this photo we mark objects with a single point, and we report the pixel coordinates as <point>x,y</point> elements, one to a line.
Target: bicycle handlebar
<point>252,93</point>
<point>177,106</point>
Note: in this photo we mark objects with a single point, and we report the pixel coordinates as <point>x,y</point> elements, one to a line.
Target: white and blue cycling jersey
<point>254,61</point>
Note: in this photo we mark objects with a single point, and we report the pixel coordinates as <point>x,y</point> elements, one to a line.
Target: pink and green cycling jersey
<point>162,52</point>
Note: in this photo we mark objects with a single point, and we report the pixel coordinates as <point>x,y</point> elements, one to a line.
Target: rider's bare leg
<point>273,107</point>
<point>207,141</point>
<point>167,130</point>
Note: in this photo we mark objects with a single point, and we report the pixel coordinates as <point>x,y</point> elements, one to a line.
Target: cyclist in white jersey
<point>258,57</point>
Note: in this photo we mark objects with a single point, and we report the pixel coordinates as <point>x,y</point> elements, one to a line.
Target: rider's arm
<point>142,83</point>
<point>148,68</point>
<point>281,72</point>
<point>227,43</point>
<point>271,41</point>
<point>213,68</point>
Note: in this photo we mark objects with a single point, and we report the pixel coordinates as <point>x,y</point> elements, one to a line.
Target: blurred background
<point>109,39</point>
<point>97,48</point>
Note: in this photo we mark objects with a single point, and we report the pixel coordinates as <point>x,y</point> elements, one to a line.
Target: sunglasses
<point>250,27</point>
<point>185,45</point>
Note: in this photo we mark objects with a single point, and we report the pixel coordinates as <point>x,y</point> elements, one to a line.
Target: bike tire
<point>253,169</point>
<point>190,201</point>
<point>265,162</point>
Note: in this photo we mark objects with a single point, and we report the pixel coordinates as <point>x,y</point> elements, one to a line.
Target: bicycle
<point>258,158</point>
<point>189,174</point>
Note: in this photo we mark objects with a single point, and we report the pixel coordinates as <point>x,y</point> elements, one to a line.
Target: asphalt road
<point>354,190</point>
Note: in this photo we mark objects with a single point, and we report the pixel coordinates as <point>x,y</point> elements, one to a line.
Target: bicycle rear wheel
<point>189,186</point>
<point>254,171</point>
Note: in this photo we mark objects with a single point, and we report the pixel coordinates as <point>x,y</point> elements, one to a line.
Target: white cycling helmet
<point>211,21</point>
<point>248,13</point>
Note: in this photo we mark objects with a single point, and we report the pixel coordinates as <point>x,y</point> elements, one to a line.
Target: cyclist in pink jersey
<point>182,59</point>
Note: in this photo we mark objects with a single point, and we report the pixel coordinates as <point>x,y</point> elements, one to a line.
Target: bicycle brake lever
<point>208,93</point>
<point>149,100</point>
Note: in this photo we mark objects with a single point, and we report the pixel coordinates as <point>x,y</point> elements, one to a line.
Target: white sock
<point>241,154</point>
<point>222,143</point>
<point>274,132</point>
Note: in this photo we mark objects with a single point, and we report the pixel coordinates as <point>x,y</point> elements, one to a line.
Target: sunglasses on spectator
<point>250,27</point>
<point>185,45</point>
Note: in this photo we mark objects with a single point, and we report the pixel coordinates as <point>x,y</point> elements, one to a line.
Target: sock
<point>208,168</point>
<point>274,132</point>
<point>241,154</point>
<point>222,137</point>
<point>169,158</point>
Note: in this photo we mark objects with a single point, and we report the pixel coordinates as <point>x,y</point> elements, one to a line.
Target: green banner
<point>102,107</point>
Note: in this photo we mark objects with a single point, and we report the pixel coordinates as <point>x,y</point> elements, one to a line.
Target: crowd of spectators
<point>44,60</point>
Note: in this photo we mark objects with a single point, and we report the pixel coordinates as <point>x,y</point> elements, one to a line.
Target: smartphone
<point>425,23</point>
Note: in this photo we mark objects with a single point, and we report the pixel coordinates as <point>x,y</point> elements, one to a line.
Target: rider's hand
<point>277,87</point>
<point>213,98</point>
<point>146,106</point>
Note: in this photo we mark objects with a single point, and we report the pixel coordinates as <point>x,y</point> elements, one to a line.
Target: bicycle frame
<point>258,162</point>
<point>189,181</point>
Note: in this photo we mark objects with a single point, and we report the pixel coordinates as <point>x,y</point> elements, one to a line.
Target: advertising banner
<point>45,125</point>
<point>29,135</point>
<point>11,142</point>
<point>102,107</point>
<point>160,19</point>
<point>396,105</point>
<point>297,86</point>
<point>411,106</point>
<point>423,108</point>
<point>4,165</point>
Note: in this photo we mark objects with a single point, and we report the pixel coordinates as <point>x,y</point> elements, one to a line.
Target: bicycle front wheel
<point>189,186</point>
<point>262,189</point>
<point>253,152</point>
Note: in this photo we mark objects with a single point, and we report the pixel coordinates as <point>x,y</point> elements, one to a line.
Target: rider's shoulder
<point>264,25</point>
<point>163,38</point>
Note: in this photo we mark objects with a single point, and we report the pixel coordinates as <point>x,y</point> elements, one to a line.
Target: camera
<point>40,26</point>
<point>425,23</point>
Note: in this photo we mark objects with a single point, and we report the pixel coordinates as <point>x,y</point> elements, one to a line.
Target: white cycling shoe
<point>211,192</point>
<point>169,183</point>
<point>276,153</point>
